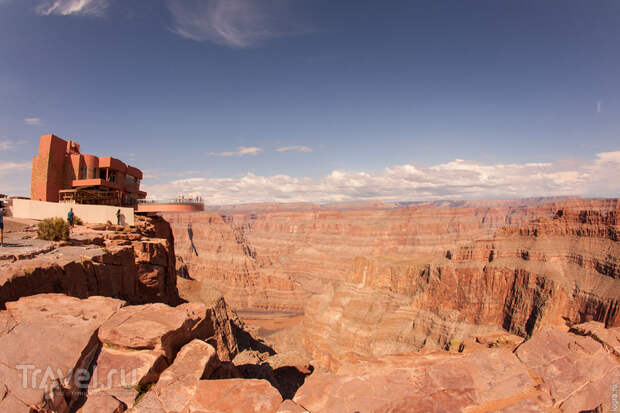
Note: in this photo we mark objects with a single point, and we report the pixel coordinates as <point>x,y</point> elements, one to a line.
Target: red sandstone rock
<point>512,281</point>
<point>103,404</point>
<point>399,291</point>
<point>56,334</point>
<point>608,337</point>
<point>119,368</point>
<point>177,385</point>
<point>485,380</point>
<point>149,327</point>
<point>242,255</point>
<point>289,406</point>
<point>235,396</point>
<point>227,265</point>
<point>132,267</point>
<point>578,370</point>
<point>196,359</point>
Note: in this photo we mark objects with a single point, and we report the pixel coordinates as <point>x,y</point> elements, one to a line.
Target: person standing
<point>118,217</point>
<point>1,225</point>
<point>70,217</point>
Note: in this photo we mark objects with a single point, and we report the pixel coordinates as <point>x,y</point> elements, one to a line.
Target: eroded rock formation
<point>90,353</point>
<point>272,257</point>
<point>552,271</point>
<point>137,266</point>
<point>221,261</point>
<point>507,306</point>
<point>555,370</point>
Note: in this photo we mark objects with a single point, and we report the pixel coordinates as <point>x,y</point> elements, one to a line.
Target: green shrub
<point>78,221</point>
<point>455,345</point>
<point>142,390</point>
<point>53,229</point>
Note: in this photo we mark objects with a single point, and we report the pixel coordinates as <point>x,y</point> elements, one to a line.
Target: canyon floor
<point>477,306</point>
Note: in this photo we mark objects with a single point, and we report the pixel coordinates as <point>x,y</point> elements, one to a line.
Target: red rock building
<point>61,173</point>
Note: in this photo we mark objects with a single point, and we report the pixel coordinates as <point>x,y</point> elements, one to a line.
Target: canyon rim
<point>309,206</point>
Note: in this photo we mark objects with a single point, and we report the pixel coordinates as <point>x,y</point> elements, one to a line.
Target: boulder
<point>103,403</point>
<point>118,368</point>
<point>235,396</point>
<point>289,406</point>
<point>155,327</point>
<point>177,385</point>
<point>51,347</point>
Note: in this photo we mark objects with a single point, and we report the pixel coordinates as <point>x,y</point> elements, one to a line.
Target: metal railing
<point>171,201</point>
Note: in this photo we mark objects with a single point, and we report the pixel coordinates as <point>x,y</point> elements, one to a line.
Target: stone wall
<point>91,214</point>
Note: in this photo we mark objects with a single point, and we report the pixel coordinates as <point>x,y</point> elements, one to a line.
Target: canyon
<point>472,306</point>
<point>378,280</point>
<point>96,324</point>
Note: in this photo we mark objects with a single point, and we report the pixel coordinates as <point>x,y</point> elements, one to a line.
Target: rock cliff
<point>108,339</point>
<point>221,260</point>
<point>274,256</point>
<point>137,266</point>
<point>551,271</point>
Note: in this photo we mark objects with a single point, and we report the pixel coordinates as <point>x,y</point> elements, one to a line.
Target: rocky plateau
<point>473,306</point>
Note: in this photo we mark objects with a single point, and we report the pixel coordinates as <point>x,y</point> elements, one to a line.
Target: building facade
<point>60,172</point>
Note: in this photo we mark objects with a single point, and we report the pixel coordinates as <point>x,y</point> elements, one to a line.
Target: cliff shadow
<point>246,341</point>
<point>190,236</point>
<point>286,379</point>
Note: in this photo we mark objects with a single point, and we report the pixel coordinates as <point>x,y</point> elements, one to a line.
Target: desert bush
<point>78,221</point>
<point>456,345</point>
<point>53,229</point>
<point>127,228</point>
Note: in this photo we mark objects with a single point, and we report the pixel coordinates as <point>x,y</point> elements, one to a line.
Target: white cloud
<point>241,151</point>
<point>9,145</point>
<point>234,23</point>
<point>15,178</point>
<point>6,167</point>
<point>68,7</point>
<point>32,121</point>
<point>458,179</point>
<point>297,148</point>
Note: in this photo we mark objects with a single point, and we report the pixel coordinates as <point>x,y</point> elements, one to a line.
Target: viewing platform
<point>150,206</point>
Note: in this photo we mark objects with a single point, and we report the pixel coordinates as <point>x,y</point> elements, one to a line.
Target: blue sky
<point>292,100</point>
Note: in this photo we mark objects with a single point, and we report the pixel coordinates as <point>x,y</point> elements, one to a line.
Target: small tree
<point>53,229</point>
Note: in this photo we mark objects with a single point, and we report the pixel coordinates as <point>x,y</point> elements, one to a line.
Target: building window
<point>82,172</point>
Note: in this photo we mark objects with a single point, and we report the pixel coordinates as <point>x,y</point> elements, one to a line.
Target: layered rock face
<point>220,259</point>
<point>268,256</point>
<point>552,271</point>
<point>64,354</point>
<point>137,266</point>
<point>385,280</point>
<point>481,307</point>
